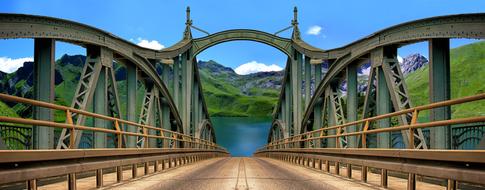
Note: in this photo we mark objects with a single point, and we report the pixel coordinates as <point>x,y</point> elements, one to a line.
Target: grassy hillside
<point>467,74</point>
<point>229,94</point>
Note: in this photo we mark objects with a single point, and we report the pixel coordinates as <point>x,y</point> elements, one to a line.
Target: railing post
<point>71,181</point>
<point>337,168</point>
<point>120,139</point>
<point>414,120</point>
<point>452,185</point>
<point>99,178</point>
<point>32,184</point>
<point>363,175</point>
<point>364,135</point>
<point>119,173</point>
<point>156,167</point>
<point>134,170</point>
<point>384,175</point>
<point>72,139</point>
<point>411,181</point>
<point>349,171</point>
<point>147,168</point>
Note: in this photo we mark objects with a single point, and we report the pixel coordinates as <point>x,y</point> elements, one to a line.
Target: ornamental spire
<point>188,25</point>
<point>294,23</point>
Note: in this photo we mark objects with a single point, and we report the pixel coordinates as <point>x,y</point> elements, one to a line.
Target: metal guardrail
<point>34,165</point>
<point>31,165</point>
<point>304,139</point>
<point>453,165</point>
<point>172,139</point>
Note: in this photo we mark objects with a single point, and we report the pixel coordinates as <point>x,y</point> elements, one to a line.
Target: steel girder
<point>463,26</point>
<point>147,112</point>
<point>452,26</point>
<point>440,90</point>
<point>44,69</point>
<point>99,61</point>
<point>335,115</point>
<point>352,102</point>
<point>386,76</point>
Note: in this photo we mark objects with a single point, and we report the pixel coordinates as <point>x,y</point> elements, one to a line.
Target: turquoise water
<point>241,136</point>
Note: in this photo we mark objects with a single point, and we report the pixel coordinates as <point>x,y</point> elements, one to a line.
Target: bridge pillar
<point>317,110</point>
<point>165,109</point>
<point>131,86</point>
<point>352,106</point>
<point>176,82</point>
<point>195,108</point>
<point>187,73</point>
<point>100,103</point>
<point>296,79</point>
<point>44,72</point>
<point>383,98</point>
<point>100,107</point>
<point>439,90</point>
<point>308,82</point>
<point>288,110</point>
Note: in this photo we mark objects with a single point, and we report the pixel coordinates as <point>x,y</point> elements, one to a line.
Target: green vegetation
<point>223,93</point>
<point>467,74</point>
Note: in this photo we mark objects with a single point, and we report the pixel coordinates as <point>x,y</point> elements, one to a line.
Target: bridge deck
<point>241,173</point>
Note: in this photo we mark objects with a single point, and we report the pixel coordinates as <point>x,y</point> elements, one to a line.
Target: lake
<point>241,136</point>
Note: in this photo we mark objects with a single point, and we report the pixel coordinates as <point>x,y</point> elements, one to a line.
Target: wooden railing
<point>308,139</point>
<point>176,139</point>
<point>24,168</point>
<point>455,166</point>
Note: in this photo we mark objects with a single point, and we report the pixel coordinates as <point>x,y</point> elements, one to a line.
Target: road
<point>241,173</point>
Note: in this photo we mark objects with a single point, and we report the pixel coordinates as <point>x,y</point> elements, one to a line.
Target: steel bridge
<point>380,144</point>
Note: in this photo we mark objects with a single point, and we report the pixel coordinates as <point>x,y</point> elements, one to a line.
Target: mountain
<point>412,63</point>
<point>230,94</point>
<point>227,93</point>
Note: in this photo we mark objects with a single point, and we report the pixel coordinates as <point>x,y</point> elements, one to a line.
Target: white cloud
<point>151,44</point>
<point>399,59</point>
<point>254,67</point>
<point>9,65</point>
<point>314,30</point>
<point>366,71</point>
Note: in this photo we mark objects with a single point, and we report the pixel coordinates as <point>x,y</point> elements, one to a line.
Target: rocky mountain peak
<point>214,67</point>
<point>412,63</point>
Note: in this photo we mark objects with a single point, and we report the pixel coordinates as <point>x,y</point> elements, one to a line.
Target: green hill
<point>467,78</point>
<point>229,94</point>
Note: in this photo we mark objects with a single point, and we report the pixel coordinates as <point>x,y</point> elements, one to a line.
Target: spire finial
<point>294,22</point>
<point>188,25</point>
<point>189,21</point>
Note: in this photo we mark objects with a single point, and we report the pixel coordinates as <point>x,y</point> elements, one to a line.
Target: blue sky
<point>162,22</point>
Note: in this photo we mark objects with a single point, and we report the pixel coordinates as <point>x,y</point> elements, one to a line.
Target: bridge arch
<point>277,131</point>
<point>282,44</point>
<point>205,131</point>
